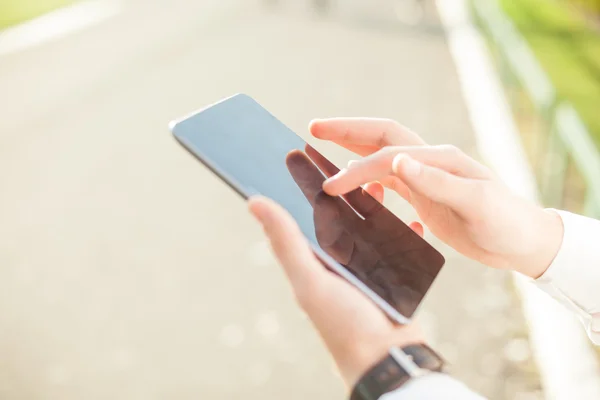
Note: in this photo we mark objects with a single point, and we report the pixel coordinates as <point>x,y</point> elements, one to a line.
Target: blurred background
<point>128,271</point>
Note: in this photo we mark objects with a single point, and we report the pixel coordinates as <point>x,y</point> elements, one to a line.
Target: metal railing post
<point>567,138</point>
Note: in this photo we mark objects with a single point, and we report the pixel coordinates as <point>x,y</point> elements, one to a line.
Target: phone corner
<point>242,95</point>
<point>172,125</point>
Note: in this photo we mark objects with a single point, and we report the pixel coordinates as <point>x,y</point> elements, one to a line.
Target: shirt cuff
<point>433,386</point>
<point>573,278</point>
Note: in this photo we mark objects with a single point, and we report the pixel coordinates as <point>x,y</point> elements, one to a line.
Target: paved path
<point>130,272</point>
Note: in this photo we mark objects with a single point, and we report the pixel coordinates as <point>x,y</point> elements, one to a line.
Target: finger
<point>434,183</point>
<point>333,305</point>
<point>447,157</point>
<point>390,182</point>
<point>289,244</point>
<point>395,184</point>
<point>375,189</point>
<point>417,228</point>
<point>328,168</point>
<point>310,180</point>
<point>364,204</point>
<point>356,148</point>
<point>369,169</point>
<point>379,165</point>
<point>373,132</point>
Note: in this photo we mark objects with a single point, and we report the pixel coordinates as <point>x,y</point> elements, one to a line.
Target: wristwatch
<point>400,365</point>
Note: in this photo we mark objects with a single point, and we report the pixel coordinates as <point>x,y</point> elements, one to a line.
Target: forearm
<point>433,386</point>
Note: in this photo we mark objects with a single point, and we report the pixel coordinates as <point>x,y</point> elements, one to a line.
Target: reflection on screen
<point>248,145</point>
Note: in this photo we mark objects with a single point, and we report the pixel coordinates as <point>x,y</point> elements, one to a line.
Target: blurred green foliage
<point>587,5</point>
<point>14,11</point>
<point>568,47</point>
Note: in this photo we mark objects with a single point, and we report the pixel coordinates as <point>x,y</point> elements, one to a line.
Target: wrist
<point>547,239</point>
<point>366,359</point>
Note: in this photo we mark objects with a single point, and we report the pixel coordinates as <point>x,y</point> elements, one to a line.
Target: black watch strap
<point>395,369</point>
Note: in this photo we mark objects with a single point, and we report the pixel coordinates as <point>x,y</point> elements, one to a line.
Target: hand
<point>460,200</point>
<point>365,237</point>
<point>356,332</point>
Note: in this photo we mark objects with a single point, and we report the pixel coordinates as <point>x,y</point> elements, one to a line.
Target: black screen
<point>256,153</point>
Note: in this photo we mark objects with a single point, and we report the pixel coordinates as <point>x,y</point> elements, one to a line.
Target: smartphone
<point>353,235</point>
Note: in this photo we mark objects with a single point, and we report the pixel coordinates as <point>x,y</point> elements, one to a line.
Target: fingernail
<point>351,163</point>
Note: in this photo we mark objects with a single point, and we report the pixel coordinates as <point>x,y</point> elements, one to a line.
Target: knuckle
<point>384,139</point>
<point>390,130</point>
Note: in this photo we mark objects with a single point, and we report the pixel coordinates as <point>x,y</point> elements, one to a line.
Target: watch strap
<point>395,369</point>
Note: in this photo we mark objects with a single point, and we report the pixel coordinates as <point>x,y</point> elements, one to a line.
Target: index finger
<point>359,199</point>
<point>374,133</point>
<point>310,180</point>
<point>328,168</point>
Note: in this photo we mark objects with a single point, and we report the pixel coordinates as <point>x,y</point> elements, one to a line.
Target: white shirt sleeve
<point>573,278</point>
<point>432,386</point>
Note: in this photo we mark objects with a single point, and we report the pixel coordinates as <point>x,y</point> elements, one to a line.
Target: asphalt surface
<point>128,271</point>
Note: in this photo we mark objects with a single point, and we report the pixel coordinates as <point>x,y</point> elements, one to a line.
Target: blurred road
<point>128,271</point>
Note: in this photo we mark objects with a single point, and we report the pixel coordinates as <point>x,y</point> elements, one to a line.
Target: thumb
<point>433,183</point>
<point>288,243</point>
